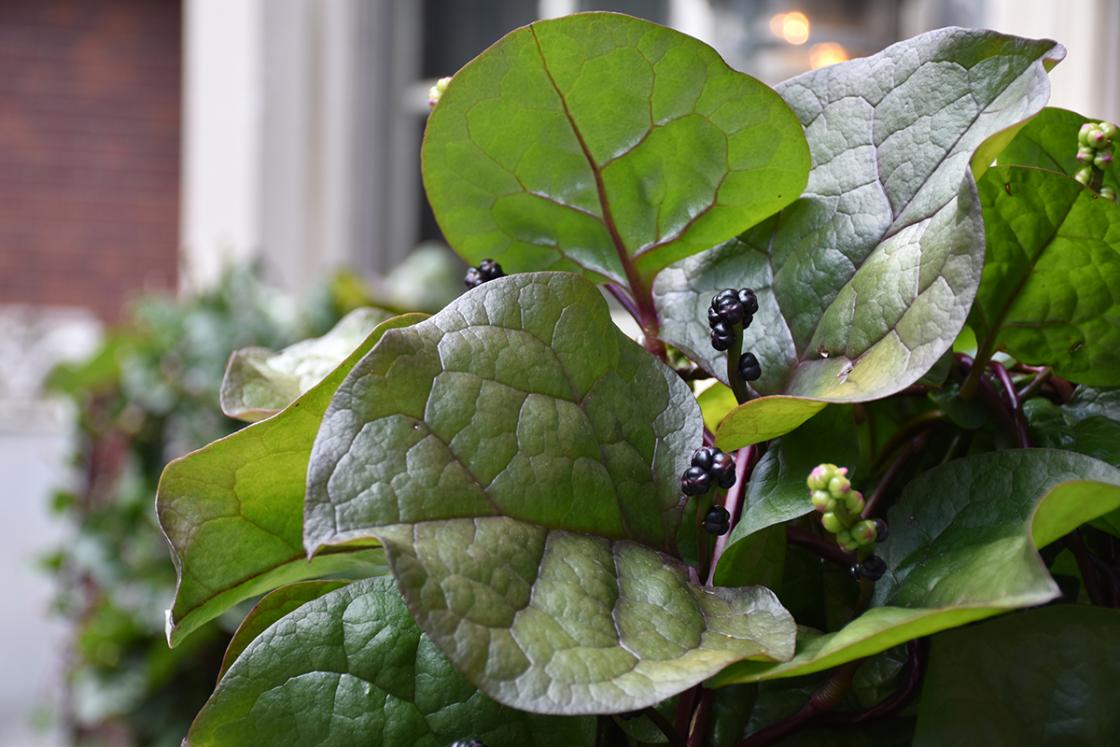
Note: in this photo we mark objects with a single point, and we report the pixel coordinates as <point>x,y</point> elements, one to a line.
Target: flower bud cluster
<point>1096,144</point>
<point>840,505</point>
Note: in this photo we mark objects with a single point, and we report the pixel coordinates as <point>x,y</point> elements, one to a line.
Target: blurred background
<point>180,178</point>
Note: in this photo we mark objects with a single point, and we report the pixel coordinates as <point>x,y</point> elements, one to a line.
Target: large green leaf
<point>260,382</point>
<point>1050,292</point>
<point>608,144</point>
<point>962,547</point>
<point>519,399</point>
<point>232,512</point>
<point>273,606</point>
<point>777,492</point>
<point>1045,676</point>
<point>865,281</point>
<point>351,668</point>
<point>1049,141</point>
<point>551,621</point>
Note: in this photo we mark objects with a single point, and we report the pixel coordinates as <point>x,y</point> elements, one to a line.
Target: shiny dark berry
<point>695,481</point>
<point>872,568</point>
<point>723,470</point>
<point>749,301</point>
<point>486,271</point>
<point>713,317</point>
<point>717,521</point>
<point>881,530</point>
<point>704,456</point>
<point>749,368</point>
<point>726,305</point>
<point>722,335</point>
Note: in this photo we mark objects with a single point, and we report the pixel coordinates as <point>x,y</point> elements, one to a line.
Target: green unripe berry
<point>1083,133</point>
<point>847,541</point>
<point>1084,175</point>
<point>822,501</point>
<point>839,486</point>
<point>1108,193</point>
<point>819,477</point>
<point>853,501</point>
<point>1103,159</point>
<point>1109,129</point>
<point>1097,138</point>
<point>1085,154</point>
<point>832,523</point>
<point>865,532</point>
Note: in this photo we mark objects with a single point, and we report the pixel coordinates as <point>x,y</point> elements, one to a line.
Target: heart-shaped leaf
<point>777,492</point>
<point>259,382</point>
<point>1045,676</point>
<point>557,622</point>
<point>1050,292</point>
<point>232,512</point>
<point>865,281</point>
<point>273,606</point>
<point>962,547</point>
<point>522,399</point>
<point>350,668</point>
<point>603,143</point>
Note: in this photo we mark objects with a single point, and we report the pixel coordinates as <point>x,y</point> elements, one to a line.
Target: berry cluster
<point>831,492</point>
<point>872,568</point>
<point>709,465</point>
<point>729,308</point>
<point>486,271</point>
<point>1095,150</point>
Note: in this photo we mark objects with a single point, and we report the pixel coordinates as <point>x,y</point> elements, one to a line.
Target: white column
<point>221,128</point>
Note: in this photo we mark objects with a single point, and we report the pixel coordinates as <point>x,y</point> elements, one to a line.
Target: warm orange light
<point>792,27</point>
<point>825,54</point>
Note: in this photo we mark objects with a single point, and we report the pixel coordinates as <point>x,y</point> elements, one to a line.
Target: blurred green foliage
<point>148,394</point>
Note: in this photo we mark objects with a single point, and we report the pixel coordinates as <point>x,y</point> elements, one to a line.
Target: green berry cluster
<point>839,505</point>
<point>1095,150</point>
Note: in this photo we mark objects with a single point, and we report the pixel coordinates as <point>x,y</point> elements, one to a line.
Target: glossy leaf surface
<point>351,667</point>
<point>1050,292</point>
<point>962,547</point>
<point>260,382</point>
<point>232,512</point>
<point>1089,423</point>
<point>519,399</point>
<point>273,606</point>
<point>864,282</point>
<point>608,144</point>
<point>1045,676</point>
<point>556,622</point>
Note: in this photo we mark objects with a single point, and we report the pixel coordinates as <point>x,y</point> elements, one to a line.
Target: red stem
<point>1017,418</point>
<point>733,502</point>
<point>823,548</point>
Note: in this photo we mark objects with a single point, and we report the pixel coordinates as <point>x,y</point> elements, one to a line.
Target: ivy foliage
<point>561,548</point>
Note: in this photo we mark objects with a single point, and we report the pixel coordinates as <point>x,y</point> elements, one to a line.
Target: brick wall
<point>89,150</point>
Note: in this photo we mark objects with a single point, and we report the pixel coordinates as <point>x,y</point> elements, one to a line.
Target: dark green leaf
<point>865,281</point>
<point>962,547</point>
<point>520,399</point>
<point>233,511</point>
<point>351,668</point>
<point>557,622</point>
<point>272,607</point>
<point>1050,292</point>
<point>605,143</point>
<point>1089,423</point>
<point>1045,676</point>
<point>259,382</point>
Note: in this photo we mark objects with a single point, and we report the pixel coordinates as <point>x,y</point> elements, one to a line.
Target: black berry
<point>723,470</point>
<point>695,481</point>
<point>749,369</point>
<point>722,335</point>
<point>749,301</point>
<point>717,521</point>
<point>704,457</point>
<point>727,307</point>
<point>872,568</point>
<point>713,317</point>
<point>486,271</point>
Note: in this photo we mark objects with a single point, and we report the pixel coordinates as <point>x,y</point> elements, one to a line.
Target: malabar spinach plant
<point>870,404</point>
